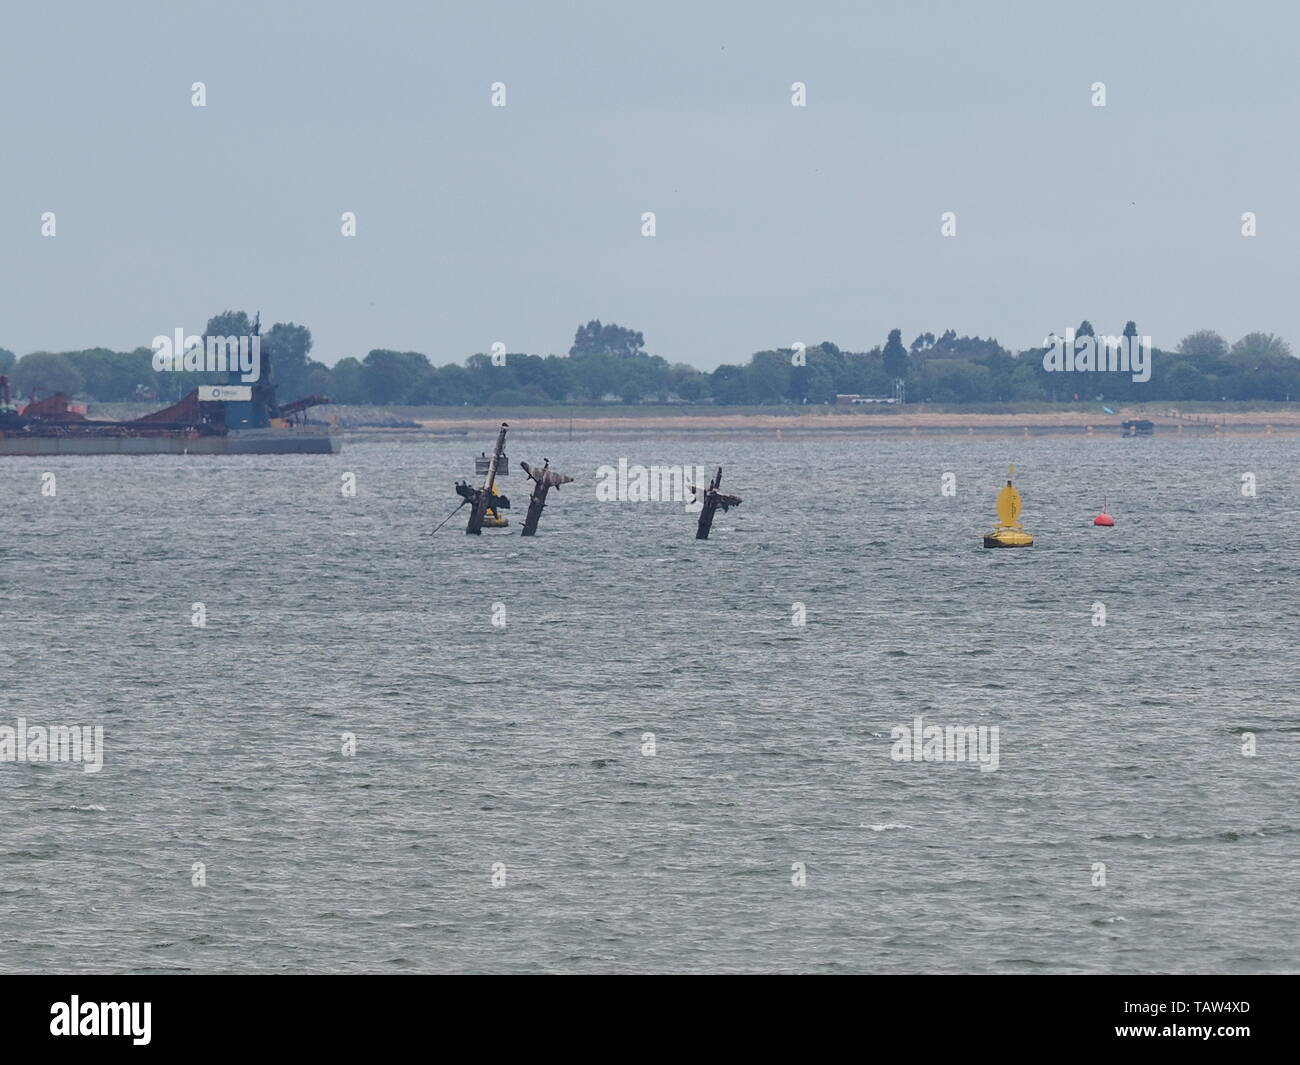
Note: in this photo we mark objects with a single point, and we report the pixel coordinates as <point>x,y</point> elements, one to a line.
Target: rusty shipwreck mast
<point>482,498</point>
<point>544,480</point>
<point>712,499</point>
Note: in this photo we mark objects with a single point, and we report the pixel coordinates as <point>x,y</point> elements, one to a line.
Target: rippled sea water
<point>479,744</point>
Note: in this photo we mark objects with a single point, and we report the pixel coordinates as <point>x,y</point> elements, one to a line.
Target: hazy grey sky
<point>775,223</point>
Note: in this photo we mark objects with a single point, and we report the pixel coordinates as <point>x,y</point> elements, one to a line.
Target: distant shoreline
<point>1200,419</point>
<point>899,423</point>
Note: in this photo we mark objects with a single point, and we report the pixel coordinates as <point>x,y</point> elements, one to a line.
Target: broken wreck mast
<point>482,498</point>
<point>712,500</point>
<point>545,479</point>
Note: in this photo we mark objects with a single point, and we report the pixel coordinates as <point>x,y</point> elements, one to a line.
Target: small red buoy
<point>1103,519</point>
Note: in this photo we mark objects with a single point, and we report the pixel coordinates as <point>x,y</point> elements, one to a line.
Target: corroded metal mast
<point>712,499</point>
<point>546,479</point>
<point>484,497</point>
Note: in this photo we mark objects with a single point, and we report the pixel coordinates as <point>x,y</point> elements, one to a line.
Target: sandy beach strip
<point>901,423</point>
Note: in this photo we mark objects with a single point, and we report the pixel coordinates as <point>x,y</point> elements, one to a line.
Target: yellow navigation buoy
<point>1009,532</point>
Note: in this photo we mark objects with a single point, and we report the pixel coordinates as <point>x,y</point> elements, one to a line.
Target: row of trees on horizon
<point>609,363</point>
